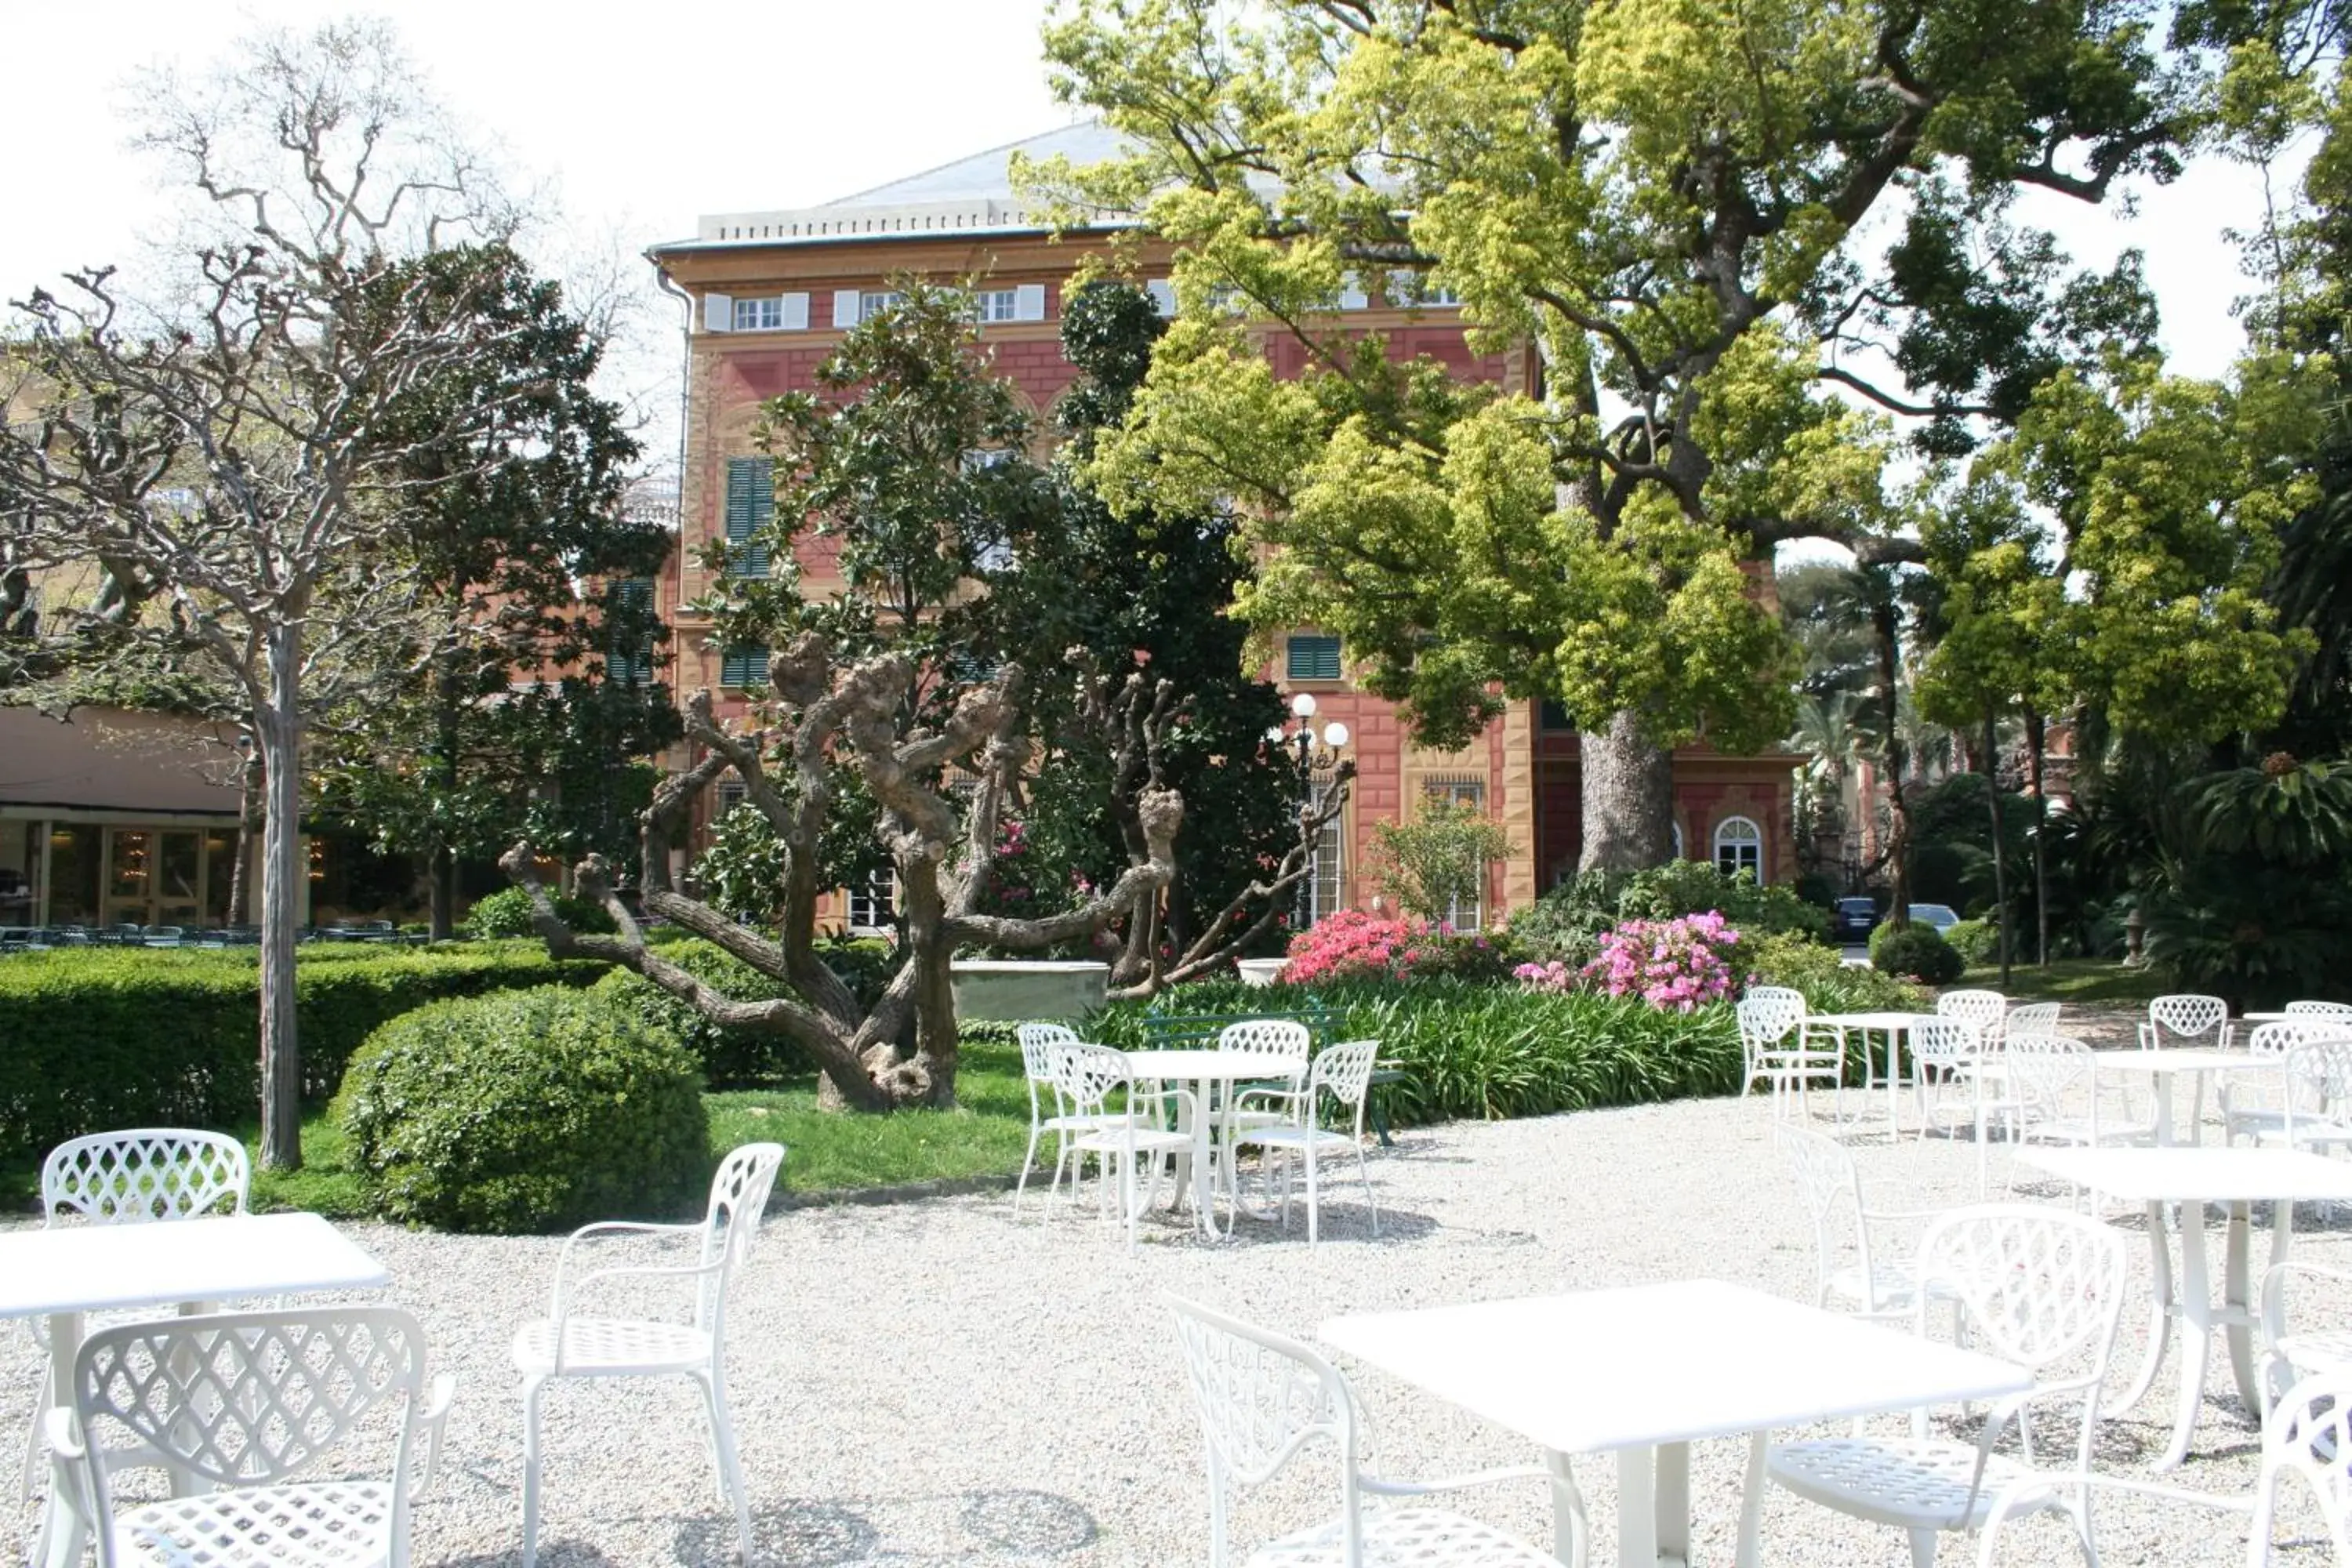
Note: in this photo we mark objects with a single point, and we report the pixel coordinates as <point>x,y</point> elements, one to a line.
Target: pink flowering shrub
<point>1554,976</point>
<point>1350,944</point>
<point>1678,963</point>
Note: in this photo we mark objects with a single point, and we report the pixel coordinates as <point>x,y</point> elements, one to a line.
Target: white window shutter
<point>1352,292</point>
<point>844,306</point>
<point>796,312</point>
<point>1029,302</point>
<point>1163,295</point>
<point>718,312</point>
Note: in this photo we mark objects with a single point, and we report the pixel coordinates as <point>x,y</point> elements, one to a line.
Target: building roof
<point>971,196</point>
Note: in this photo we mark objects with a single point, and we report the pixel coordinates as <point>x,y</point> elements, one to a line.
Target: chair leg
<point>531,1393</point>
<point>1370,1202</point>
<point>731,1466</point>
<point>1027,1159</point>
<point>1923,1549</point>
<point>1314,1205</point>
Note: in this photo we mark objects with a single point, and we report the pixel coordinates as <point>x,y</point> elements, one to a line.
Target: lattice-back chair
<point>1284,1037</point>
<point>1131,1124</point>
<point>2255,1104</point>
<point>252,1405</point>
<point>1880,1282</point>
<point>2185,1018</point>
<point>2037,1286</point>
<point>1341,1075</point>
<point>2030,1018</point>
<point>2318,1094</point>
<point>1777,1053</point>
<point>1985,1009</point>
<point>566,1343</point>
<point>2046,1074</point>
<point>2319,1340</point>
<point>1945,1048</point>
<point>1041,1047</point>
<point>1262,1399</point>
<point>144,1174</point>
<point>2321,1009</point>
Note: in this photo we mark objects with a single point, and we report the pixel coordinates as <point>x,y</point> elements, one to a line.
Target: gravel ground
<point>943,1383</point>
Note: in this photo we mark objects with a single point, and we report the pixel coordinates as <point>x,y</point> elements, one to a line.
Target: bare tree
<point>221,448</point>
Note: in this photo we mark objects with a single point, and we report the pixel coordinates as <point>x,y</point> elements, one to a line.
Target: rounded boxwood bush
<point>1916,952</point>
<point>524,1110</point>
<point>507,912</point>
<point>1977,941</point>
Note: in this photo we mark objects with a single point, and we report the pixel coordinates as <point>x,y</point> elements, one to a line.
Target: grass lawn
<point>2086,982</point>
<point>828,1150</point>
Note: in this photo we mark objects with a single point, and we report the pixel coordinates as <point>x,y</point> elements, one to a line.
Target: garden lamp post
<point>1320,762</point>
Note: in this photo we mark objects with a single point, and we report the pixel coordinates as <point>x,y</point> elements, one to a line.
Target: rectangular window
<point>1412,290</point>
<point>745,669</point>
<point>1312,656</point>
<point>750,507</point>
<point>874,908</point>
<point>628,652</point>
<point>1319,895</point>
<point>732,796</point>
<point>1463,794</point>
<point>1552,717</point>
<point>997,305</point>
<point>872,302</point>
<point>759,315</point>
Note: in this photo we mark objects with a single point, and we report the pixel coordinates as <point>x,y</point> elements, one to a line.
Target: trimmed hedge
<point>528,1110</point>
<point>1916,952</point>
<point>1977,941</point>
<point>137,1038</point>
<point>1489,1051</point>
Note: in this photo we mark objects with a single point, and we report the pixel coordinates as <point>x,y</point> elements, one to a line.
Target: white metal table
<point>2235,1179</point>
<point>1646,1370</point>
<point>1206,1073</point>
<point>64,1273</point>
<point>2166,1065</point>
<point>1894,1026</point>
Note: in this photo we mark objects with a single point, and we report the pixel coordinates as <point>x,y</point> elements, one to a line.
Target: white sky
<point>639,123</point>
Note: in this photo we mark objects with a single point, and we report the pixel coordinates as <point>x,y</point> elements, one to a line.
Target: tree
<point>503,527</point>
<point>227,456</point>
<point>1436,861</point>
<point>1661,203</point>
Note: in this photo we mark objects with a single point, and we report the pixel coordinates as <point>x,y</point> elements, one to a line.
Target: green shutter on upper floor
<point>750,505</point>
<point>1312,657</point>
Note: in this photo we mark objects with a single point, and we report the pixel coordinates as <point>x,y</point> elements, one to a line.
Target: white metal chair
<point>1946,1050</point>
<point>1781,1055</point>
<point>1284,1037</point>
<point>2040,1287</point>
<point>2246,1108</point>
<point>1767,1014</point>
<point>2315,1110</point>
<point>1985,1009</point>
<point>1120,1138</point>
<point>252,1404</point>
<point>138,1175</point>
<point>2030,1018</point>
<point>1042,1046</point>
<point>566,1344</point>
<point>2321,1009</point>
<point>2185,1019</point>
<point>1881,1282</point>
<point>2044,1071</point>
<point>1262,1398</point>
<point>2291,1353</point>
<point>1343,1074</point>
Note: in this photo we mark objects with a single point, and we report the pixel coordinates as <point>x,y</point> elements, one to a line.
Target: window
<point>1164,296</point>
<point>628,656</point>
<point>732,796</point>
<point>1312,656</point>
<point>1552,717</point>
<point>997,305</point>
<point>1739,846</point>
<point>750,507</point>
<point>1463,794</point>
<point>744,667</point>
<point>872,302</point>
<point>1318,893</point>
<point>874,908</point>
<point>1412,290</point>
<point>759,315</point>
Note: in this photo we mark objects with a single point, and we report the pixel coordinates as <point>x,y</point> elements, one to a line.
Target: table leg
<point>1204,1188</point>
<point>2240,1308</point>
<point>58,1543</point>
<point>2198,1323</point>
<point>2281,1234</point>
<point>2159,1090</point>
<point>1751,1504</point>
<point>2159,1319</point>
<point>1893,1085</point>
<point>1672,1510</point>
<point>1572,1533</point>
<point>1637,1508</point>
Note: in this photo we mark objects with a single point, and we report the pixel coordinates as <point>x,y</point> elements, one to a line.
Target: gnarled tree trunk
<point>1628,797</point>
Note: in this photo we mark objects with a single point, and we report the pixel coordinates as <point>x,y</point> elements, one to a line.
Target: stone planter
<point>1017,990</point>
<point>1261,971</point>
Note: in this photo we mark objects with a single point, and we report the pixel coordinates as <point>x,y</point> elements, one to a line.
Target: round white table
<point>2165,1064</point>
<point>1894,1026</point>
<point>1205,1073</point>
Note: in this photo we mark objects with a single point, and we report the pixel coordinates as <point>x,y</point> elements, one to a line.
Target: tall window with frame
<point>1466,796</point>
<point>874,907</point>
<point>1319,892</point>
<point>1739,846</point>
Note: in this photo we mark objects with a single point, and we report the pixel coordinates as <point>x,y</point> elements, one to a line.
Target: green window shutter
<point>750,505</point>
<point>1312,657</point>
<point>743,667</point>
<point>628,658</point>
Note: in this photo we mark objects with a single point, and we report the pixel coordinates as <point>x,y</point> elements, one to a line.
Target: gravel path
<point>940,1383</point>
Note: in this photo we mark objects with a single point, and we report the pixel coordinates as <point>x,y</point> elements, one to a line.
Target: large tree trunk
<point>280,732</point>
<point>1999,855</point>
<point>441,872</point>
<point>1629,799</point>
<point>1883,627</point>
<point>2036,735</point>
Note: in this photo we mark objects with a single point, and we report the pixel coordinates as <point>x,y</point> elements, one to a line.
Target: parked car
<point>1850,920</point>
<point>1943,917</point>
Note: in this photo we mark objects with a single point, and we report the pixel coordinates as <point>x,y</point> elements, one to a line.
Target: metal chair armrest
<point>604,1229</point>
<point>64,1432</point>
<point>2026,1493</point>
<point>2273,1292</point>
<point>434,1421</point>
<point>1377,1487</point>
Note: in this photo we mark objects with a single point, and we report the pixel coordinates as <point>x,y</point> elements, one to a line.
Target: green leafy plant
<point>528,1111</point>
<point>1977,941</point>
<point>1829,982</point>
<point>506,914</point>
<point>1436,861</point>
<point>1916,952</point>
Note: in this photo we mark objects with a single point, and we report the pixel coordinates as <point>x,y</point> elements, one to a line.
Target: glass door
<point>179,872</point>
<point>129,876</point>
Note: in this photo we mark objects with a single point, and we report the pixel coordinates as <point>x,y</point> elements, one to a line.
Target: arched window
<point>1738,846</point>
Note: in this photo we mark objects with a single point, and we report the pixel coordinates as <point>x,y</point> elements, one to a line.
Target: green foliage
<point>1915,952</point>
<point>1830,983</point>
<point>734,1057</point>
<point>1977,941</point>
<point>506,914</point>
<point>142,1037</point>
<point>1437,860</point>
<point>532,1110</point>
<point>1488,1051</point>
<point>1566,924</point>
<point>2286,812</point>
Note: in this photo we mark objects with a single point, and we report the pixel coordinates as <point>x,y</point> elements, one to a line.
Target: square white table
<point>2165,1064</point>
<point>66,1272</point>
<point>2192,1177</point>
<point>1645,1370</point>
<point>1894,1026</point>
<point>1204,1072</point>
